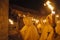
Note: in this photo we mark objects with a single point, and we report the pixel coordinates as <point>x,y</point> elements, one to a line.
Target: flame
<point>49,5</point>
<point>36,20</point>
<point>53,12</point>
<point>11,22</point>
<point>24,15</point>
<point>44,21</point>
<point>57,16</point>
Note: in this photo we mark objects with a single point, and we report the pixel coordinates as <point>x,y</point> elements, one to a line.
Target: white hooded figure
<point>40,27</point>
<point>29,31</point>
<point>47,33</point>
<point>57,29</point>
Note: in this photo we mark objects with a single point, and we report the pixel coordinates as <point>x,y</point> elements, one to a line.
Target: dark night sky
<point>32,4</point>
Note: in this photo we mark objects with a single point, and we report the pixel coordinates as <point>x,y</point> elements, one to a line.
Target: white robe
<point>58,28</point>
<point>44,35</point>
<point>29,33</point>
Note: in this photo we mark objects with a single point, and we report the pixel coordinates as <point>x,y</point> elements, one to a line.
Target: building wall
<point>3,19</point>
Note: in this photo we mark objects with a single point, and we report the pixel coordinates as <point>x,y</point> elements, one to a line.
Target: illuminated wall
<point>3,19</point>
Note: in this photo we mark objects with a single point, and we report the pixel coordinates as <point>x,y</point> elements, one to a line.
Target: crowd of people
<point>40,31</point>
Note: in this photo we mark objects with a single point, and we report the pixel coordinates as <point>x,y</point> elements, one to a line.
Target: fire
<point>57,16</point>
<point>49,5</point>
<point>44,21</point>
<point>11,22</point>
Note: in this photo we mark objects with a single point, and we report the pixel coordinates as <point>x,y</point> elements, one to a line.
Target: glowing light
<point>53,12</point>
<point>57,16</point>
<point>11,22</point>
<point>44,21</point>
<point>49,5</point>
<point>24,16</point>
<point>44,4</point>
<point>33,19</point>
<point>19,15</point>
<point>37,21</point>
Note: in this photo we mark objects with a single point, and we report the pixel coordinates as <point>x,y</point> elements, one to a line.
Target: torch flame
<point>49,5</point>
<point>11,22</point>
